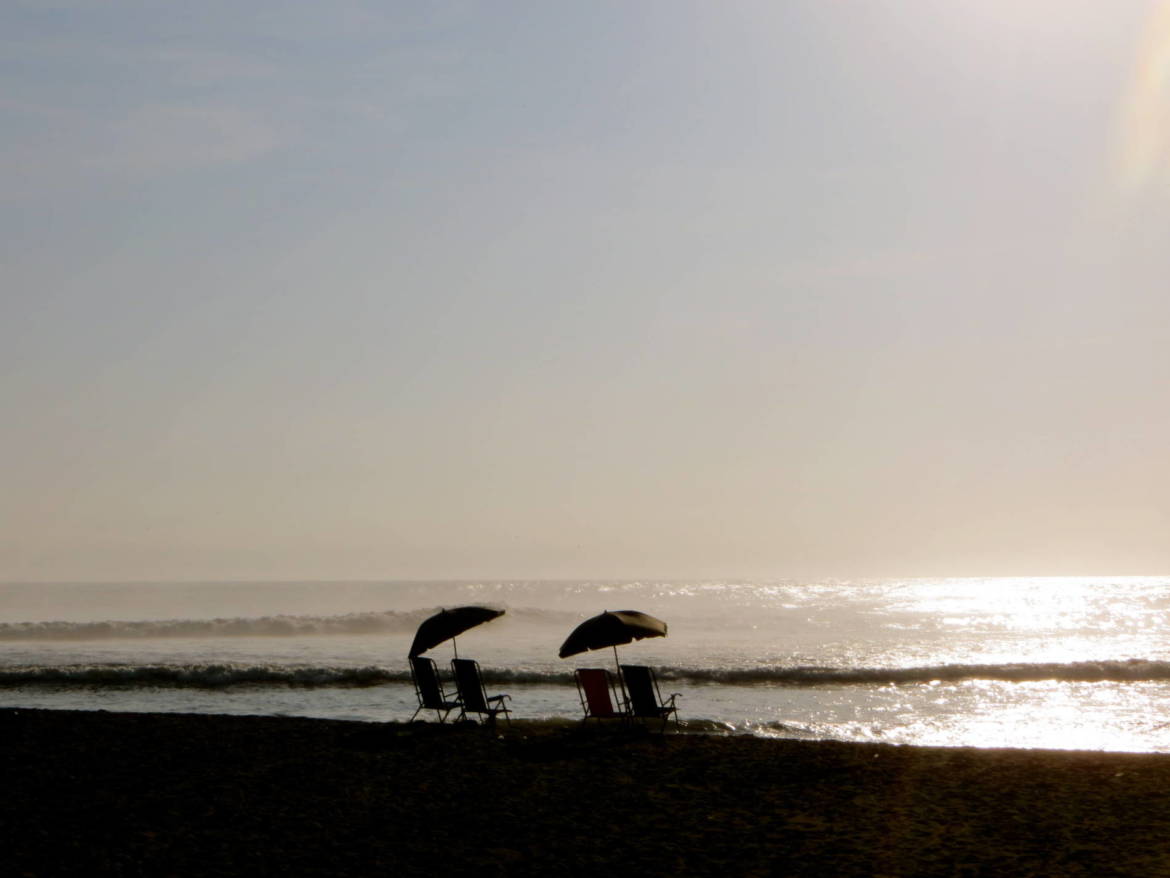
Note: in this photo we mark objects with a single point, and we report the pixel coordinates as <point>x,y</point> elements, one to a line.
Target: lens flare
<point>1145,145</point>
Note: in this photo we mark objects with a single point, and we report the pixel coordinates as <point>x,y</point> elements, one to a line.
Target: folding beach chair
<point>598,694</point>
<point>473,698</point>
<point>428,688</point>
<point>645,700</point>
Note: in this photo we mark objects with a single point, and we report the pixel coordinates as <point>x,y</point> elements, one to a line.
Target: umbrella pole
<point>621,679</point>
<point>456,645</point>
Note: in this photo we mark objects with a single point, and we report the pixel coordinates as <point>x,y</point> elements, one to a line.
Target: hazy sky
<point>604,289</point>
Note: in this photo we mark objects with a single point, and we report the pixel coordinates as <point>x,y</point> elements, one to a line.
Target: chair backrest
<point>643,690</point>
<point>470,685</point>
<point>596,685</point>
<point>426,682</point>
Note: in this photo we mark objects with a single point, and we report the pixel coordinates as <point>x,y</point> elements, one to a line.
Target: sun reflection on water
<point>1034,603</point>
<point>1055,715</point>
<point>1038,619</point>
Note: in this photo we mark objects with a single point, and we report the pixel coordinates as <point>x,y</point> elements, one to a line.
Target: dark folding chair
<point>598,694</point>
<point>646,701</point>
<point>428,688</point>
<point>473,698</point>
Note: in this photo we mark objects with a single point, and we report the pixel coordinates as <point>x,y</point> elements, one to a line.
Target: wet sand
<point>156,794</point>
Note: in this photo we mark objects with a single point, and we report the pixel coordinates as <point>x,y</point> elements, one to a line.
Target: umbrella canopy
<point>447,624</point>
<point>612,628</point>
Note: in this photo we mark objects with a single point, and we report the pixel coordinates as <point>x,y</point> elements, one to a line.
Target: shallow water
<point>1038,662</point>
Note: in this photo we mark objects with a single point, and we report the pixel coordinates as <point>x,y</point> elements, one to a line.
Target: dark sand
<point>130,794</point>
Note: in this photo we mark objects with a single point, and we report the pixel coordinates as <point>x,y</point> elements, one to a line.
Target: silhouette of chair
<point>598,694</point>
<point>646,701</point>
<point>428,688</point>
<point>473,698</point>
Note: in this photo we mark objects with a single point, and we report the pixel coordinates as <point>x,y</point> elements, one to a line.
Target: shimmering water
<point>1036,662</point>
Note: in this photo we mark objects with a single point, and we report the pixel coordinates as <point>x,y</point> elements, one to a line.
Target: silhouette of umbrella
<point>612,628</point>
<point>447,624</point>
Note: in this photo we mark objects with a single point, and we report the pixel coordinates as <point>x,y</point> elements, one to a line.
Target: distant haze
<point>602,289</point>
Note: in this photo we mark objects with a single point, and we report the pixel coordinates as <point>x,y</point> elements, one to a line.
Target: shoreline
<point>90,792</point>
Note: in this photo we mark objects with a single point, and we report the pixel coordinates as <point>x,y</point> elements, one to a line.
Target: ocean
<point>1051,662</point>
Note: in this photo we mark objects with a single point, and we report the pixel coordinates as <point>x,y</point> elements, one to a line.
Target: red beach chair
<point>598,694</point>
<point>646,701</point>
<point>428,688</point>
<point>473,698</point>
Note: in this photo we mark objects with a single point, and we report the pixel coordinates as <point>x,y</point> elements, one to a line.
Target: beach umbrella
<point>447,624</point>
<point>612,628</point>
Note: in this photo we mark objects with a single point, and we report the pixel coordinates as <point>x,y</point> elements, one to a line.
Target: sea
<point>1037,662</point>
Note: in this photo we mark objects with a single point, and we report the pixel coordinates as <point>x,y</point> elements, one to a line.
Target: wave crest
<point>388,622</point>
<point>1129,670</point>
<point>384,622</point>
<point>199,676</point>
<point>215,676</point>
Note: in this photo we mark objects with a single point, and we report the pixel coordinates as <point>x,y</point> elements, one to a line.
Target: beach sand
<point>89,793</point>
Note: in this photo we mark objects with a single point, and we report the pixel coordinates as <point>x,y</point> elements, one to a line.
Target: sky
<point>609,289</point>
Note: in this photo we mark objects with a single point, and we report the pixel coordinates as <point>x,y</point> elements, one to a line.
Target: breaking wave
<point>263,626</point>
<point>216,676</point>
<point>198,676</point>
<point>1130,670</point>
<point>387,622</point>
